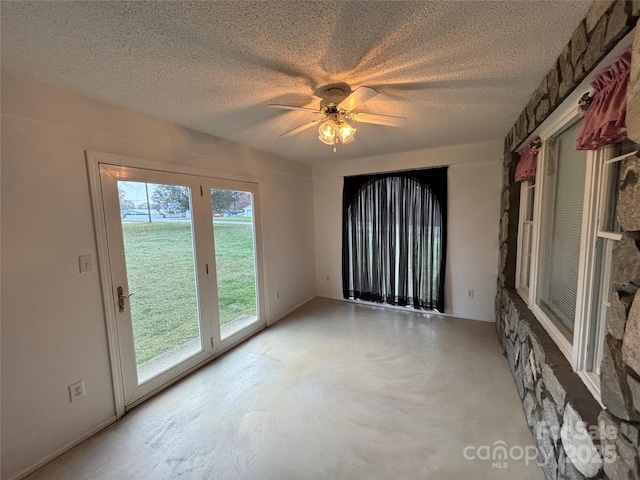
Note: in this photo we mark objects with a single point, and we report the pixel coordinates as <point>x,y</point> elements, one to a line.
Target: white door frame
<point>94,160</point>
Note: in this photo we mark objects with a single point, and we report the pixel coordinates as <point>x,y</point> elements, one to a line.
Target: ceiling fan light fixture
<point>345,131</point>
<point>333,131</point>
<point>327,132</point>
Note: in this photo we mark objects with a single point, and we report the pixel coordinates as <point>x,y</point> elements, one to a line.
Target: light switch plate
<point>86,263</point>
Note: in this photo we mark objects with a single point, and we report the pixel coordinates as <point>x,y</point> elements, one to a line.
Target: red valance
<point>528,163</point>
<point>604,122</point>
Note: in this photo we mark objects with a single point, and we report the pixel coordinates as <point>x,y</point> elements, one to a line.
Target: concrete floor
<point>334,391</point>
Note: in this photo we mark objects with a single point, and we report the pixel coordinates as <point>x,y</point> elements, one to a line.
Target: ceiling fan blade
<point>291,107</point>
<point>387,120</point>
<point>357,98</point>
<point>300,128</point>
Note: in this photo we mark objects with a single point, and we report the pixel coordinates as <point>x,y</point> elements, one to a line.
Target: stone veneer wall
<point>555,400</point>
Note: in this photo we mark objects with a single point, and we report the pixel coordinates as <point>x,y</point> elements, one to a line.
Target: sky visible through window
<point>136,191</point>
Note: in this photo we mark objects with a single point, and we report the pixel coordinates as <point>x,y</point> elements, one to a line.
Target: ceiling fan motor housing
<point>332,97</point>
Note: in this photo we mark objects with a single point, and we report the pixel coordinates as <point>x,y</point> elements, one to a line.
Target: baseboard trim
<point>65,448</point>
<point>426,313</point>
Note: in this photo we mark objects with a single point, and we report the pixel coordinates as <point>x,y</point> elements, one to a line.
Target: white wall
<point>53,330</point>
<point>53,327</point>
<point>474,175</point>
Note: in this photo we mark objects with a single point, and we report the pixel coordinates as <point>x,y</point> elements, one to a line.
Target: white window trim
<point>586,274</point>
<point>550,129</point>
<point>610,235</point>
<point>594,214</point>
<point>577,350</point>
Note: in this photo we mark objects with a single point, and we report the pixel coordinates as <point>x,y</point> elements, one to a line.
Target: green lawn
<point>160,270</point>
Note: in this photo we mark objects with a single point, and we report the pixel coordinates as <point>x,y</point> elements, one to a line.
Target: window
<point>394,238</point>
<point>607,233</point>
<point>566,234</point>
<point>525,235</point>
<point>560,229</point>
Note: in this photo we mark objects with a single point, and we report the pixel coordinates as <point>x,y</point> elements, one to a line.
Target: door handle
<point>121,298</point>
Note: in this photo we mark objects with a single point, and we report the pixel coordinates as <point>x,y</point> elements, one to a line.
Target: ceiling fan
<point>337,111</point>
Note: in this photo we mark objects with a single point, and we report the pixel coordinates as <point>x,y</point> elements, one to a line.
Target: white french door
<point>183,278</point>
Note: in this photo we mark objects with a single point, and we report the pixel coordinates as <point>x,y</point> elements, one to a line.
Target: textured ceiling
<point>460,71</point>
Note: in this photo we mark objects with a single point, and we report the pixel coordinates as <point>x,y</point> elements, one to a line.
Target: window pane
<point>525,236</point>
<point>561,223</point>
<point>626,146</point>
<point>531,191</point>
<point>612,179</point>
<point>600,305</point>
<point>612,176</point>
<point>527,230</point>
<point>158,242</point>
<point>234,237</point>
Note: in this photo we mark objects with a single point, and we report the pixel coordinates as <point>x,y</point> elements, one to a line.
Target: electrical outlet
<point>86,263</point>
<point>76,391</point>
<point>328,278</point>
<point>470,293</point>
<point>277,294</point>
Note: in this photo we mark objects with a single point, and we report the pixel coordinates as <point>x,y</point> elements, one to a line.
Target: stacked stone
<point>620,369</point>
<point>554,399</point>
<point>558,407</point>
<point>556,402</point>
<point>606,23</point>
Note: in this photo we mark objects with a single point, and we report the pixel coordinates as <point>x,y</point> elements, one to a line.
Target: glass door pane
<point>235,253</point>
<point>159,254</point>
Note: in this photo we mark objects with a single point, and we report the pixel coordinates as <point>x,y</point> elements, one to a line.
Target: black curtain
<point>394,238</point>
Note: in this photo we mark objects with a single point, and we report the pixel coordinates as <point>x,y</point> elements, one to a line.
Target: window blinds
<point>562,214</point>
